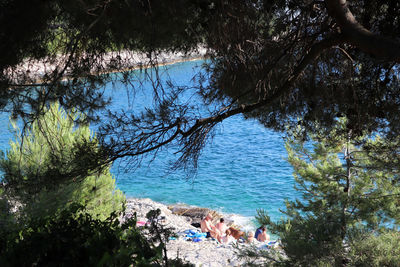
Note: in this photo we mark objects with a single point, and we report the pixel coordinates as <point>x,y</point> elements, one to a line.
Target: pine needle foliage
<point>47,169</point>
<point>348,214</point>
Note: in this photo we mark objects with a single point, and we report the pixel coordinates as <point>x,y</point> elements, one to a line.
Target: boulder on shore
<point>196,214</point>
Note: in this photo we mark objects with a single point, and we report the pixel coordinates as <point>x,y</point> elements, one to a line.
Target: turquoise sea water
<point>243,169</point>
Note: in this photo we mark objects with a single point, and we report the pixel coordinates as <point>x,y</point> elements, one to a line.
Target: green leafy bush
<point>75,238</point>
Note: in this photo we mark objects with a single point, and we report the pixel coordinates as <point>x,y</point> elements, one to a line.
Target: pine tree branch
<point>381,196</point>
<point>380,46</point>
<point>192,138</point>
<point>313,54</point>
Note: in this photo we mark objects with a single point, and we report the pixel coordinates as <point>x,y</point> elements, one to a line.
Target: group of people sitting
<point>219,231</point>
<point>224,234</point>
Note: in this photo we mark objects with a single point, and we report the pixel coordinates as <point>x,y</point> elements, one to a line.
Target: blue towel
<point>193,234</point>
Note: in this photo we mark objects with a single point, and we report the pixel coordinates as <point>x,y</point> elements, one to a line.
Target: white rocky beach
<point>34,70</point>
<point>207,252</point>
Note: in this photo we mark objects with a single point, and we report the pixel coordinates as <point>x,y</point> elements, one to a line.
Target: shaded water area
<point>243,169</point>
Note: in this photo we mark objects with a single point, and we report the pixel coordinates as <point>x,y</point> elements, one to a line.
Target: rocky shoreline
<point>34,70</point>
<point>207,252</point>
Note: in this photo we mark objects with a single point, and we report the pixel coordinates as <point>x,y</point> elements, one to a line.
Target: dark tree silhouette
<point>286,63</point>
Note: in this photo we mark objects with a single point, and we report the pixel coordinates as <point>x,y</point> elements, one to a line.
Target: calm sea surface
<point>243,169</point>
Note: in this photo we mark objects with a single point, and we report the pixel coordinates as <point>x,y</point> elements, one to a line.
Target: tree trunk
<point>341,260</point>
<point>381,47</point>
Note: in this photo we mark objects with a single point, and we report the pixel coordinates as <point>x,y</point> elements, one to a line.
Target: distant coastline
<point>35,70</point>
<point>142,61</point>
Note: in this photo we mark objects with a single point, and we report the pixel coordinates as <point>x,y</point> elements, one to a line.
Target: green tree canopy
<point>41,171</point>
<point>75,238</point>
<point>347,199</point>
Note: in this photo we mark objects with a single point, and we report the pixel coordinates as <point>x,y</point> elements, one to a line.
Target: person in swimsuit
<point>258,231</point>
<point>263,237</point>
